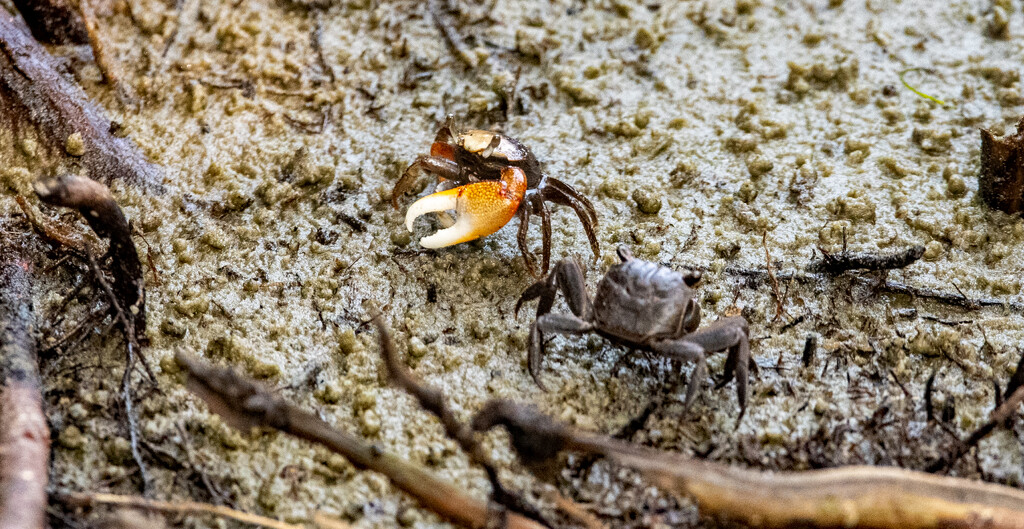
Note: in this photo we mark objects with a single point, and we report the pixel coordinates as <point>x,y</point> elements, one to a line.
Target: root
<point>186,507</point>
<point>245,404</point>
<point>24,434</point>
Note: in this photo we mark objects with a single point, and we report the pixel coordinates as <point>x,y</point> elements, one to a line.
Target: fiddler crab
<point>641,305</point>
<point>488,178</point>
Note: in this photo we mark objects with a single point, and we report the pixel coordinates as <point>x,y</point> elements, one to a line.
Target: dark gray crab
<point>641,305</point>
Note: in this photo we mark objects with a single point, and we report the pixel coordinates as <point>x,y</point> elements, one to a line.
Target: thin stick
<point>24,434</point>
<point>853,496</point>
<point>779,309</point>
<point>1000,414</point>
<point>108,66</point>
<point>838,263</point>
<point>432,400</point>
<point>245,404</point>
<point>81,499</point>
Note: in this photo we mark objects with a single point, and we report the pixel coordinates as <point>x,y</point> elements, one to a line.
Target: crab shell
<point>657,298</point>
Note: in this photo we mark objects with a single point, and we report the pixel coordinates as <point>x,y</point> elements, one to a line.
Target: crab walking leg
<point>481,208</point>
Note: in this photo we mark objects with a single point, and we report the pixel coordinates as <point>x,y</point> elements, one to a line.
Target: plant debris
<point>834,264</point>
<point>1001,182</point>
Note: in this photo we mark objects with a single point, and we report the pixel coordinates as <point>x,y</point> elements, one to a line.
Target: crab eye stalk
<point>481,208</point>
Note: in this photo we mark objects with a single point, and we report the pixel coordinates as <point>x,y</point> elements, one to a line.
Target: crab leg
<point>481,208</point>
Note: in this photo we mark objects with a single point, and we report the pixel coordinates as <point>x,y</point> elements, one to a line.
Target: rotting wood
<point>245,404</point>
<point>1001,181</point>
<point>31,85</point>
<point>837,263</point>
<point>849,497</point>
<point>24,434</point>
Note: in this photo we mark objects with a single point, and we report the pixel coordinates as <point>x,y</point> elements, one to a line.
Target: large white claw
<point>429,204</point>
<point>461,231</point>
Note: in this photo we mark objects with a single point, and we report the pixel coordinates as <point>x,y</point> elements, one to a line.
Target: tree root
<point>245,404</point>
<point>30,85</point>
<point>24,434</point>
<point>854,496</point>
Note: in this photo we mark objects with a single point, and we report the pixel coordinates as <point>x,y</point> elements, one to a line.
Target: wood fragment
<point>24,433</point>
<point>849,497</point>
<point>779,309</point>
<point>838,263</point>
<point>108,66</point>
<point>433,400</point>
<point>1001,180</point>
<point>81,499</point>
<point>31,86</point>
<point>245,404</point>
<point>95,203</point>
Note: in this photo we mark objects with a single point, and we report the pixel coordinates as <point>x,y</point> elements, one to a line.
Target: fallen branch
<point>432,400</point>
<point>245,404</point>
<point>94,201</point>
<point>854,496</point>
<point>61,112</point>
<point>838,263</point>
<point>127,294</point>
<point>80,499</point>
<point>24,434</point>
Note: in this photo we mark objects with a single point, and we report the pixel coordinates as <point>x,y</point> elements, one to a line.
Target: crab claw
<point>481,208</point>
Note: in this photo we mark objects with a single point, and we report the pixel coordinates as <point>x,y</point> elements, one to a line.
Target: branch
<point>854,496</point>
<point>245,404</point>
<point>59,109</point>
<point>80,499</point>
<point>432,400</point>
<point>24,434</point>
<point>94,201</point>
<point>835,264</point>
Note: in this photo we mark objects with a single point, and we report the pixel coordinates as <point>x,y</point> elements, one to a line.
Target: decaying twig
<point>108,66</point>
<point>1001,182</point>
<point>62,114</point>
<point>432,400</point>
<point>854,496</point>
<point>245,404</point>
<point>24,434</point>
<point>80,499</point>
<point>127,294</point>
<point>451,35</point>
<point>94,201</point>
<point>779,308</point>
<point>838,263</point>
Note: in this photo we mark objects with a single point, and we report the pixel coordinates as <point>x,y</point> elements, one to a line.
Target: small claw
<point>481,209</point>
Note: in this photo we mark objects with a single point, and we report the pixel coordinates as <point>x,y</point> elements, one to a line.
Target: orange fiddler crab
<point>488,178</point>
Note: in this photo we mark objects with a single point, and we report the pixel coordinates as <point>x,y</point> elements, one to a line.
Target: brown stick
<point>94,201</point>
<point>80,499</point>
<point>999,415</point>
<point>838,263</point>
<point>245,404</point>
<point>432,400</point>
<point>108,66</point>
<point>24,434</point>
<point>59,109</point>
<point>854,496</point>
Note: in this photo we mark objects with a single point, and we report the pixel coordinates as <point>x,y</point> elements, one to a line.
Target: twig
<point>451,35</point>
<point>94,201</point>
<point>70,241</point>
<point>853,496</point>
<point>24,434</point>
<point>108,66</point>
<point>245,404</point>
<point>80,499</point>
<point>779,310</point>
<point>999,415</point>
<point>432,400</point>
<point>835,264</point>
<point>31,83</point>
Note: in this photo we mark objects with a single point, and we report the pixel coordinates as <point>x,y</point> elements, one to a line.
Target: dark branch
<point>838,263</point>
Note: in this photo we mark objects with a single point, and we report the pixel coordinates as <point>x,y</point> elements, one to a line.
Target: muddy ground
<point>706,134</point>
